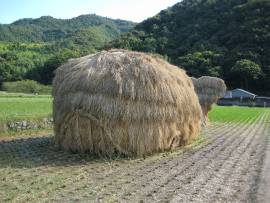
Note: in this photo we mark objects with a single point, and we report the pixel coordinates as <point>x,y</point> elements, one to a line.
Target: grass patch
<point>25,108</point>
<point>22,95</point>
<point>14,108</point>
<point>235,114</point>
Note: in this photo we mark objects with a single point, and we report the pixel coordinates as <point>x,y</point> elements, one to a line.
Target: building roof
<point>254,95</point>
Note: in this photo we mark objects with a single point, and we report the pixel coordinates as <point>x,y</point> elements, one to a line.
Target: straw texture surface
<point>131,102</point>
<point>209,90</point>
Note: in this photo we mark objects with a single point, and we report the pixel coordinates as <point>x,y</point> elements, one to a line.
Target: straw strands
<point>209,90</point>
<point>131,102</point>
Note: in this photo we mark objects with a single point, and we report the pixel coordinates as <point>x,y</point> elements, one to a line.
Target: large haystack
<point>209,90</point>
<point>131,102</point>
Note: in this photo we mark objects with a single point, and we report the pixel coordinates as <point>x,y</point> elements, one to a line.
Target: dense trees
<point>33,61</point>
<point>74,38</point>
<point>247,70</point>
<point>208,37</point>
<point>198,64</point>
<point>49,29</point>
<point>26,86</point>
<point>17,59</point>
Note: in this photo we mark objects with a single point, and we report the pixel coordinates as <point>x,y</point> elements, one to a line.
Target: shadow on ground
<point>41,151</point>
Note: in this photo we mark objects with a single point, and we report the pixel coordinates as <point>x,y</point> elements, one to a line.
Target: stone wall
<point>24,125</point>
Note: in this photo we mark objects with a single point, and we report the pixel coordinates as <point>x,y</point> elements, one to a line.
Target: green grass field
<point>16,107</point>
<point>13,109</point>
<point>235,114</point>
<point>19,107</point>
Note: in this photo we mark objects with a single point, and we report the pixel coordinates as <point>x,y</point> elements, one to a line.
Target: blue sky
<point>133,10</point>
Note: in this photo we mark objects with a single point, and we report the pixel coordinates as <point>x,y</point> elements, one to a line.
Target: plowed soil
<point>223,165</point>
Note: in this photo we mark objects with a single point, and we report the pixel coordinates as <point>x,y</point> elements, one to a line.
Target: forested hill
<point>223,38</point>
<point>49,29</point>
<point>34,48</point>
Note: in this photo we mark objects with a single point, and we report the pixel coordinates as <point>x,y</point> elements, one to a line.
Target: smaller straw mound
<point>209,90</point>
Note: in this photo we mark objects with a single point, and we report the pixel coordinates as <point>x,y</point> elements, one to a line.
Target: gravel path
<point>224,168</point>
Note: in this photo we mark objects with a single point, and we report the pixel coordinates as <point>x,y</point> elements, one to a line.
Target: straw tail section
<point>131,102</point>
<point>209,90</point>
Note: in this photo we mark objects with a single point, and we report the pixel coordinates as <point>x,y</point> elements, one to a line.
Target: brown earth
<point>223,165</point>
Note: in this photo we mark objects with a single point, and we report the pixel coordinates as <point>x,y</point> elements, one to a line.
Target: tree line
<point>222,38</point>
<point>47,29</point>
<point>37,62</point>
<point>22,60</point>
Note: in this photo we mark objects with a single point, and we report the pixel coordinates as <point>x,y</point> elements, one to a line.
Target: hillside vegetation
<point>229,39</point>
<point>34,48</point>
<point>26,86</point>
<point>222,38</point>
<point>49,29</point>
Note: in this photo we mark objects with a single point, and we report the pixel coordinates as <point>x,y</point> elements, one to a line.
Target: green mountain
<point>49,29</point>
<point>88,39</point>
<point>223,38</point>
<point>34,48</point>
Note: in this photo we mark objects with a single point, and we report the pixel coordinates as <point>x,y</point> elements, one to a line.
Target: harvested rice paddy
<point>222,165</point>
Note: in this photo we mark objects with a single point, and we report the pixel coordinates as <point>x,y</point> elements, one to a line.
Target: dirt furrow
<point>153,179</point>
<point>208,167</point>
<point>157,178</point>
<point>235,164</point>
<point>148,174</point>
<point>246,168</point>
<point>221,169</point>
<point>165,171</point>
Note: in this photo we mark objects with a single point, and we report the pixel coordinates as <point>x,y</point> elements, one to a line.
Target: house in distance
<point>238,93</point>
<point>240,97</point>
